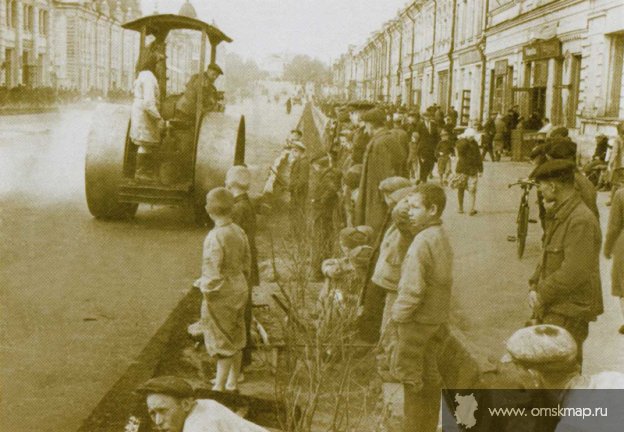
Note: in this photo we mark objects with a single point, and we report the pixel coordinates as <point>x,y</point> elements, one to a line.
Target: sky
<point>320,28</point>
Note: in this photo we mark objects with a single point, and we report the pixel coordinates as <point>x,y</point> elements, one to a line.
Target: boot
<point>144,167</point>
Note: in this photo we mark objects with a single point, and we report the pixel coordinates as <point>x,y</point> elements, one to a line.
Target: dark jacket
<point>244,216</point>
<point>428,137</point>
<point>360,141</point>
<point>299,176</point>
<point>568,277</point>
<point>469,160</point>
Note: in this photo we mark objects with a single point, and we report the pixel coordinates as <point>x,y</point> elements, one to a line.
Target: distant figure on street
<point>172,407</point>
<point>288,106</point>
<point>616,162</point>
<point>500,127</point>
<point>469,166</point>
<point>298,182</point>
<point>487,138</point>
<point>424,146</point>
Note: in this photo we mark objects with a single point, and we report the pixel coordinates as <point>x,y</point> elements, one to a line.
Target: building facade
<point>81,45</point>
<point>560,59</point>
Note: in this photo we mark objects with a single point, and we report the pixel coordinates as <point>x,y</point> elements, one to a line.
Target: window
<point>11,15</point>
<point>614,83</point>
<point>43,22</point>
<point>29,18</point>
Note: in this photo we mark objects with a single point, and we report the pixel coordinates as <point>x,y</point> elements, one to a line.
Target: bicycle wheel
<point>523,227</point>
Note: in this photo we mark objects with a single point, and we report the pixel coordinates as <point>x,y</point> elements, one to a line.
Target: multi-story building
<point>26,42</point>
<point>560,59</point>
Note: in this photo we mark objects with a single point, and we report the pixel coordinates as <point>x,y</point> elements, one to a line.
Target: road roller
<point>194,153</point>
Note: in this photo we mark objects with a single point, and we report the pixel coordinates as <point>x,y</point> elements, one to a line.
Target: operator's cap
<point>167,385</point>
<point>238,175</point>
<point>544,343</point>
<point>375,116</point>
<point>391,184</point>
<point>215,67</point>
<point>219,199</point>
<point>553,169</point>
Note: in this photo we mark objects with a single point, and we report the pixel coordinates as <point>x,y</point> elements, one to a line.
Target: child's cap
<point>238,176</point>
<point>219,201</point>
<point>392,184</point>
<point>399,194</point>
<point>352,237</point>
<point>360,256</point>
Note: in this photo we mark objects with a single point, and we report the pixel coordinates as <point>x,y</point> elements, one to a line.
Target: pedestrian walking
<point>426,140</point>
<point>444,151</point>
<point>614,248</point>
<point>383,158</point>
<point>500,131</point>
<point>224,284</point>
<point>469,167</point>
<point>420,314</point>
<point>565,289</point>
<point>288,106</point>
<point>487,138</point>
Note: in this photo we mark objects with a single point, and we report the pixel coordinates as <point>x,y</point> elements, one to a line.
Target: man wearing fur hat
<point>565,289</point>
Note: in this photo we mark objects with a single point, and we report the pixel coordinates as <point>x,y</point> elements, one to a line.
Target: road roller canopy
<point>157,24</point>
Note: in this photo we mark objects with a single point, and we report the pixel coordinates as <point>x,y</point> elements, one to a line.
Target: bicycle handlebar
<point>523,182</point>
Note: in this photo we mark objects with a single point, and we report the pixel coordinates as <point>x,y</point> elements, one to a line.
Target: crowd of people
<point>377,236</point>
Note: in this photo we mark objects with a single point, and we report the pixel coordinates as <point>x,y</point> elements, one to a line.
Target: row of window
<point>28,17</point>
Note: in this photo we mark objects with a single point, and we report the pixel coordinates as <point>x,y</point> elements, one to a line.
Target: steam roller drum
<point>104,162</point>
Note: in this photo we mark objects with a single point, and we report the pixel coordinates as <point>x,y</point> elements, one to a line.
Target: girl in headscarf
<point>146,121</point>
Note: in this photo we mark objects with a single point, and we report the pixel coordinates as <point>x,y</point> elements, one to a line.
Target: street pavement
<point>80,298</point>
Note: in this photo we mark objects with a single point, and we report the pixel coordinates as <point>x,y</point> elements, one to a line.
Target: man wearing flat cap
<point>384,157</point>
<point>360,136</point>
<point>186,105</point>
<point>565,289</point>
<point>172,408</point>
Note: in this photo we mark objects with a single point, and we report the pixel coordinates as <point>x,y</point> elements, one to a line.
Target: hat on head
<point>397,116</point>
<point>352,237</point>
<point>560,148</point>
<point>375,116</point>
<point>391,184</point>
<point>360,256</point>
<point>219,200</point>
<point>215,67</point>
<point>239,176</point>
<point>361,106</point>
<point>558,131</point>
<point>167,385</point>
<point>353,176</point>
<point>401,193</point>
<point>542,344</point>
<point>468,133</point>
<point>553,169</point>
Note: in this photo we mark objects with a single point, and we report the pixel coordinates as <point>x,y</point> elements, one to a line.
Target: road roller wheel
<point>104,163</point>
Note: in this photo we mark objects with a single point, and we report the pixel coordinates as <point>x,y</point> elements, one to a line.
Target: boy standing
<point>421,310</point>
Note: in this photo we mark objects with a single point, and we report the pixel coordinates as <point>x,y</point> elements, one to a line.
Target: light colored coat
<point>210,416</point>
<point>145,113</point>
<point>225,268</point>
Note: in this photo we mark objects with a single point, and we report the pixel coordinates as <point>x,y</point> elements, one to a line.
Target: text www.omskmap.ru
<point>558,411</point>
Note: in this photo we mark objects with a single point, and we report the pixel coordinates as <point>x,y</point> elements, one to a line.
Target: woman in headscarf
<point>146,121</point>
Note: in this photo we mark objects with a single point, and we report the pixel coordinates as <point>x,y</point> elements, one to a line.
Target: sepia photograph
<point>311,215</point>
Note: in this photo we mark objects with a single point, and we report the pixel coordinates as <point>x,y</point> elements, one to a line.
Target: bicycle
<point>522,220</point>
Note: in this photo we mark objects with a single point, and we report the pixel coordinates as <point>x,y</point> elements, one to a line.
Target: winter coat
<point>469,160</point>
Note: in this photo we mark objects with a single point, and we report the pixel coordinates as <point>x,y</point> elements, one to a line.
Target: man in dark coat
<point>298,185</point>
<point>384,157</point>
<point>360,137</point>
<point>427,137</point>
<point>325,182</point>
<point>565,289</point>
